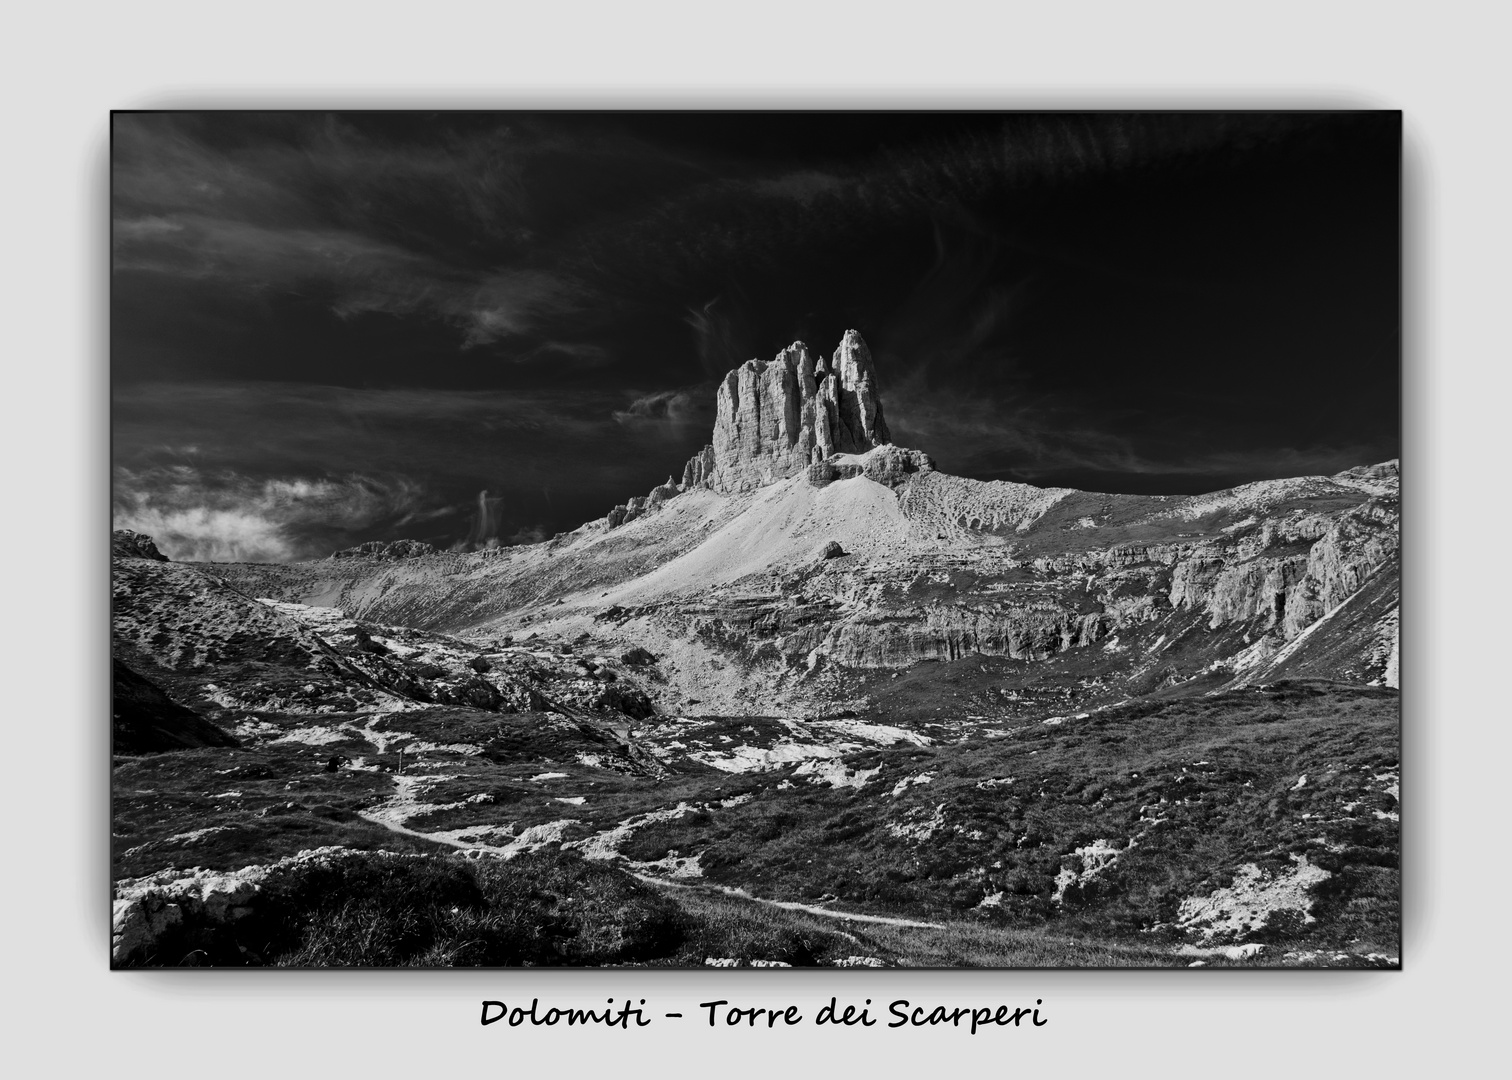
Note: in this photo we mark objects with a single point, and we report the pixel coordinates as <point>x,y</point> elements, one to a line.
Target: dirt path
<point>405,802</point>
<point>793,905</point>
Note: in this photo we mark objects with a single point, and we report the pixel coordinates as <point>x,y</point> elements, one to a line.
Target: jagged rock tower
<point>773,420</point>
<point>788,416</point>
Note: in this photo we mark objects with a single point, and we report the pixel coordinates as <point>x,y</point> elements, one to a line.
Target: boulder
<point>620,698</point>
<point>474,691</point>
<point>891,465</point>
<point>363,642</point>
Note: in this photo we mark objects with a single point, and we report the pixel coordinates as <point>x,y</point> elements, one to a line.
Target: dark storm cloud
<point>400,311</point>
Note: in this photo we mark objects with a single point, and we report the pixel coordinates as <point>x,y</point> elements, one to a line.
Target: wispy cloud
<point>316,208</point>
<point>721,334</point>
<point>359,274</point>
<point>671,411</point>
<point>804,185</point>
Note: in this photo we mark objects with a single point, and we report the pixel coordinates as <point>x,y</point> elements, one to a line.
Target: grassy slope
<point>1203,786</point>
<point>556,909</point>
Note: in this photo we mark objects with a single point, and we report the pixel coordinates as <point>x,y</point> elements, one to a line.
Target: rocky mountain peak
<point>773,419</point>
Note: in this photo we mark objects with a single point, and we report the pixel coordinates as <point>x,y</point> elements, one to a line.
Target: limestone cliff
<point>775,419</point>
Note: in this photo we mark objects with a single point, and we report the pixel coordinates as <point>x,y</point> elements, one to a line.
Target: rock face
<point>795,414</point>
<point>775,419</point>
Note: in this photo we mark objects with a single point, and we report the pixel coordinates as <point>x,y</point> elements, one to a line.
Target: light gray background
<point>66,65</point>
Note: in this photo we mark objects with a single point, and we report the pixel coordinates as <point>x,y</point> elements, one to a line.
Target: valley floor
<point>1255,828</point>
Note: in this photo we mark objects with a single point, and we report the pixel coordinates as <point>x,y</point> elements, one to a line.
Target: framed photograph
<point>755,539</point>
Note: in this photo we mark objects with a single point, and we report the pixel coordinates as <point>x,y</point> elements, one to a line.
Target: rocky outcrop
<point>700,468</point>
<point>395,549</point>
<point>1353,548</point>
<point>641,504</point>
<point>150,913</point>
<point>796,414</point>
<point>126,544</point>
<point>159,919</point>
<point>887,464</point>
<point>775,419</point>
<point>1220,601</point>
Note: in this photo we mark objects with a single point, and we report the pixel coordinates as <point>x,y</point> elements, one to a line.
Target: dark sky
<point>329,328</point>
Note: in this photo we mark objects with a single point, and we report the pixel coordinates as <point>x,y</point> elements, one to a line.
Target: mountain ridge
<point>725,573</point>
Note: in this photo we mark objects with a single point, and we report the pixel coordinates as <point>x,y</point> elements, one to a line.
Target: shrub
<point>377,910</point>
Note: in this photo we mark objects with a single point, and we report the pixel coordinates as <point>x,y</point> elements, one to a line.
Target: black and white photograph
<point>755,539</point>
